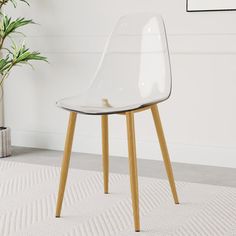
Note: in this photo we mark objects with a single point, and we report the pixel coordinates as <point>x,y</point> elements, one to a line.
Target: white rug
<point>28,196</point>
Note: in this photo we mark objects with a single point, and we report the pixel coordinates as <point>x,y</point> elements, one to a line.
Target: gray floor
<point>148,168</point>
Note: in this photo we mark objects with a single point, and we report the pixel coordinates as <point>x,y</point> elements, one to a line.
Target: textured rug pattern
<point>28,198</point>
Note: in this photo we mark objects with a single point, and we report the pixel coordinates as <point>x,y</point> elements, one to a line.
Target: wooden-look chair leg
<point>133,169</point>
<point>66,161</point>
<point>164,150</point>
<point>105,152</point>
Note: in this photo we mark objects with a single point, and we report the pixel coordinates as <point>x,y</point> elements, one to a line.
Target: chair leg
<point>133,169</point>
<point>105,152</point>
<point>66,161</point>
<point>164,150</point>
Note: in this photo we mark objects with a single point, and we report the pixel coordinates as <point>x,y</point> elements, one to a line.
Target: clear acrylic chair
<point>134,75</point>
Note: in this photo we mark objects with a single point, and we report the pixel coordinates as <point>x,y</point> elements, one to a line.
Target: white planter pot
<point>5,142</point>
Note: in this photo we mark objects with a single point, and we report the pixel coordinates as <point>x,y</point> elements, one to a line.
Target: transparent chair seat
<point>134,70</point>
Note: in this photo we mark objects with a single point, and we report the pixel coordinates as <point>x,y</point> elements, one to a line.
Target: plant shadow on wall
<point>15,55</point>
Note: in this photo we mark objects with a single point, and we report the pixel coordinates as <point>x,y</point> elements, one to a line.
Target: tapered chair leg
<point>164,150</point>
<point>66,161</point>
<point>105,152</point>
<point>133,169</point>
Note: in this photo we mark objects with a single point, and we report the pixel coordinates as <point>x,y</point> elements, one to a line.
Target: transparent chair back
<point>134,70</point>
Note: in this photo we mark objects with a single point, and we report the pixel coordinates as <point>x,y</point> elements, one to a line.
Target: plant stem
<point>1,42</point>
<point>3,2</point>
<point>6,74</point>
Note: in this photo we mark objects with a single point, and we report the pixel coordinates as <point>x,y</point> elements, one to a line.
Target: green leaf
<point>17,56</point>
<point>9,26</point>
<point>14,2</point>
<point>5,64</point>
<point>24,55</point>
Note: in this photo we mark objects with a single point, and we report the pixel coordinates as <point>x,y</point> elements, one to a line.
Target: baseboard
<point>193,154</point>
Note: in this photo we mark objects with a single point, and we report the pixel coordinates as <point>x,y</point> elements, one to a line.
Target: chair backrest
<point>135,66</point>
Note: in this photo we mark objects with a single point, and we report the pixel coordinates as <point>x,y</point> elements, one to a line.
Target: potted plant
<point>9,58</point>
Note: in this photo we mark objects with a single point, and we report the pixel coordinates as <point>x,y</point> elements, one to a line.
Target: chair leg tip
<point>57,216</point>
<point>137,230</point>
<point>106,193</point>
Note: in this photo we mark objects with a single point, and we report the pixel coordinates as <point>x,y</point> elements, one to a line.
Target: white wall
<point>199,119</point>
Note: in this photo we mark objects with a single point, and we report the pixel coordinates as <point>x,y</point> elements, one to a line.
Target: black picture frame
<point>207,10</point>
